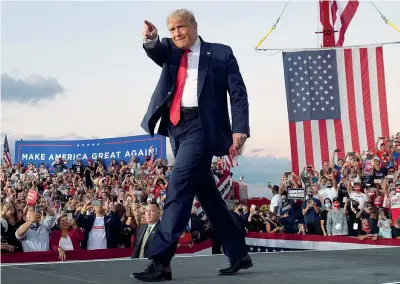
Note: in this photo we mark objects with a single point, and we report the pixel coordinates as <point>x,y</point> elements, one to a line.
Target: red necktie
<point>175,109</point>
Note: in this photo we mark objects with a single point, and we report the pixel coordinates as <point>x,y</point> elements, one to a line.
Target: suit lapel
<point>141,235</point>
<point>152,234</point>
<point>176,55</point>
<point>204,63</point>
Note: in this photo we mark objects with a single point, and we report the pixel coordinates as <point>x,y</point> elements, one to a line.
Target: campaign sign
<point>297,193</point>
<point>122,148</point>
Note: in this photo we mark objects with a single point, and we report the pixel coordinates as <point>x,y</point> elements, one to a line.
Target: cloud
<point>257,150</point>
<point>31,89</point>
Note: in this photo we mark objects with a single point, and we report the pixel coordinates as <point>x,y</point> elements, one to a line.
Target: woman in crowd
<point>327,206</point>
<point>68,237</point>
<point>384,225</point>
<point>365,231</point>
<point>9,215</point>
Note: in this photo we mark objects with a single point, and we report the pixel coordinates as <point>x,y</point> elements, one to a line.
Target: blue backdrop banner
<point>122,148</point>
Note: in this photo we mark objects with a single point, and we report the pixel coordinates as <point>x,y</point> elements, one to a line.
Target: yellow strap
<point>265,37</point>
<point>392,25</point>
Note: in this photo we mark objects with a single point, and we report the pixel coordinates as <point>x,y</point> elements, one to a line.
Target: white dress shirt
<point>189,96</point>
<point>150,227</point>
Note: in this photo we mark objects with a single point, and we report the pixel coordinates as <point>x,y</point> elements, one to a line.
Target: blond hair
<point>182,14</point>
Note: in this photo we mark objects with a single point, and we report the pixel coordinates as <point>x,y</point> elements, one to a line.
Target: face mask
<point>310,195</point>
<point>365,228</point>
<point>357,189</point>
<point>328,205</point>
<point>329,185</point>
<point>336,205</point>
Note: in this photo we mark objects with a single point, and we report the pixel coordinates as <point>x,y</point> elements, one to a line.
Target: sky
<point>78,69</point>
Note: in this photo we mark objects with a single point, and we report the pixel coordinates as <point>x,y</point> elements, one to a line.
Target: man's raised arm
<point>154,48</point>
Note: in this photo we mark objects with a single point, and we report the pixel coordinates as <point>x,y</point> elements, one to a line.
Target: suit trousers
<point>191,176</point>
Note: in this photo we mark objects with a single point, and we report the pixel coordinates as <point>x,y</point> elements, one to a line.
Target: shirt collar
<point>196,46</point>
<point>151,225</point>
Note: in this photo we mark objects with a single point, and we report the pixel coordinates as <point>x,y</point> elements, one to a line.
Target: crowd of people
<point>93,206</point>
<point>357,195</point>
<point>98,206</point>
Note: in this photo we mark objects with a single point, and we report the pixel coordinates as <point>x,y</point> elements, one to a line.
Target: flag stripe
<point>308,142</point>
<point>300,145</point>
<point>348,60</point>
<point>359,105</point>
<point>334,9</point>
<point>374,94</point>
<point>293,147</point>
<point>316,142</point>
<point>345,18</point>
<point>382,92</point>
<point>346,145</point>
<point>339,138</point>
<point>366,97</point>
<point>330,127</point>
<point>323,137</point>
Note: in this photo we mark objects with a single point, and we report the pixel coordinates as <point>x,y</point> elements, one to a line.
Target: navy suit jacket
<point>218,74</point>
<point>139,235</point>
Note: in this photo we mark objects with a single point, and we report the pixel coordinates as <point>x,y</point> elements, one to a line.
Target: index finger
<point>148,24</point>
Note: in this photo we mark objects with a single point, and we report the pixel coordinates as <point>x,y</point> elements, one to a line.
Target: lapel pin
<point>208,53</point>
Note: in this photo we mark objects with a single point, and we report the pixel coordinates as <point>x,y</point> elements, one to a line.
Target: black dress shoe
<point>154,273</point>
<point>148,269</point>
<point>241,263</point>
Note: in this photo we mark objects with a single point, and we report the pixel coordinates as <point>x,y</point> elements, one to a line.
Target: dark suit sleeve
<point>84,221</point>
<point>158,53</point>
<point>238,97</point>
<point>137,242</point>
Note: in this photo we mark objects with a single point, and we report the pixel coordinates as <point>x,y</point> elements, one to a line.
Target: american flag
<point>231,160</point>
<point>342,12</point>
<point>336,99</point>
<point>6,151</point>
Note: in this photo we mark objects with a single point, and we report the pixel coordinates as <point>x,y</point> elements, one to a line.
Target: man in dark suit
<point>145,233</point>
<point>191,101</point>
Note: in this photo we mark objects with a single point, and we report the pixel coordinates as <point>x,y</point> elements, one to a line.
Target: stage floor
<point>352,266</point>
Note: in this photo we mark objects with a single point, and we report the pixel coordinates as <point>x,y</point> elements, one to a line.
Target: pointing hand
<point>149,31</point>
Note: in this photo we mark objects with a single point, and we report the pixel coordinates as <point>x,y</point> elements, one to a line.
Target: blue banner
<point>122,148</point>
